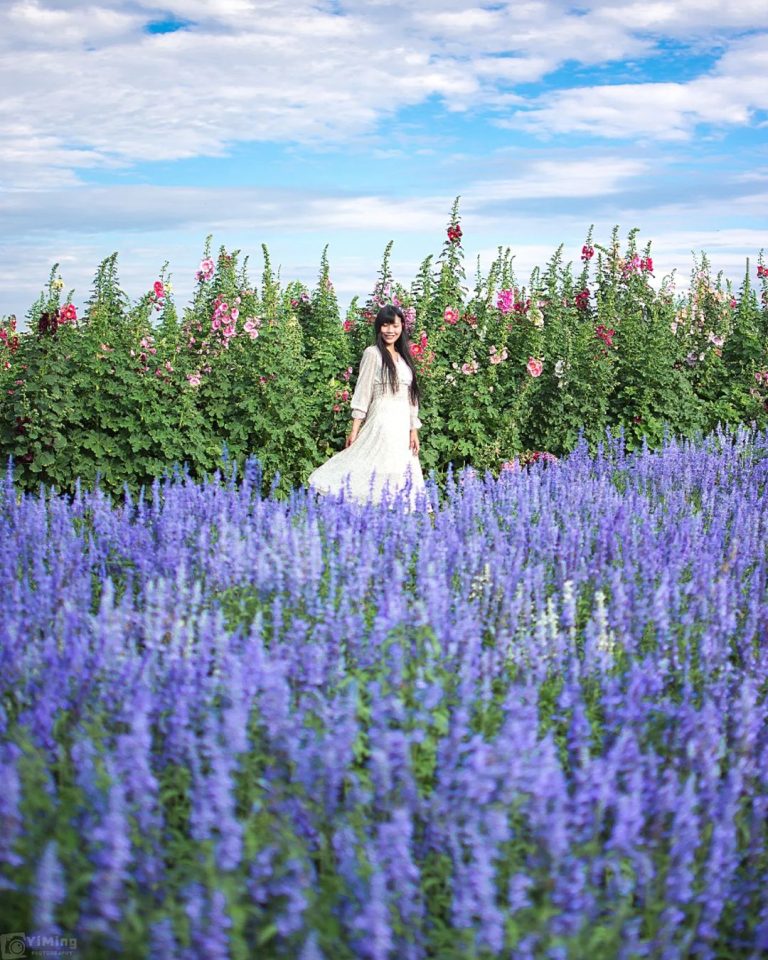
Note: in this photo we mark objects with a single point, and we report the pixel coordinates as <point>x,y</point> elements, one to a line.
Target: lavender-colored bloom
<point>50,892</point>
<point>546,699</point>
<point>10,804</point>
<point>162,941</point>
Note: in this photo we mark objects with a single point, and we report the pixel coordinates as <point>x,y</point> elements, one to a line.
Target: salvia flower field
<point>529,722</point>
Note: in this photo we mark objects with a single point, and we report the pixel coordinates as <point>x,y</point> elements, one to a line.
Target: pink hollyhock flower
<point>345,395</point>
<point>205,270</point>
<point>470,368</point>
<point>410,318</point>
<point>510,466</point>
<point>646,264</point>
<point>451,315</point>
<point>762,271</point>
<point>498,356</point>
<point>251,327</point>
<point>544,456</point>
<point>68,313</point>
<point>235,313</point>
<point>336,408</point>
<point>534,366</point>
<point>193,379</point>
<point>347,374</point>
<point>159,289</point>
<point>349,326</point>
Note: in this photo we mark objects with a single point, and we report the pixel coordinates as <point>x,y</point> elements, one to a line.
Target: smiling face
<point>391,330</point>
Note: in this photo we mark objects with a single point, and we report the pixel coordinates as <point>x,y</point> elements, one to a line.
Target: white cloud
<point>85,86</point>
<point>592,177</point>
<point>727,96</point>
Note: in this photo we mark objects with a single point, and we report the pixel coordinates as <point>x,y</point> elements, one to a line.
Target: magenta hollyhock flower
<point>534,366</point>
<point>587,252</point>
<point>451,315</point>
<point>505,301</point>
<point>159,289</point>
<point>68,313</point>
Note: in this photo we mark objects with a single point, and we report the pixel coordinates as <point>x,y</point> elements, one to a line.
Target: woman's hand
<point>415,447</point>
<point>352,436</point>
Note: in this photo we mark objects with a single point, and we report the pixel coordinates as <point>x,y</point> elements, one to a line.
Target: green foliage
<point>129,390</point>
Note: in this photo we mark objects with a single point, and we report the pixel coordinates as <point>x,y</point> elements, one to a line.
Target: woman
<point>382,449</point>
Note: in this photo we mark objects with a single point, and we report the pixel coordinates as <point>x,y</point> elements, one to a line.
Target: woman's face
<point>391,330</point>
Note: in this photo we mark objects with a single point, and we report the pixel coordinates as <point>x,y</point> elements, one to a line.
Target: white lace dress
<point>381,456</point>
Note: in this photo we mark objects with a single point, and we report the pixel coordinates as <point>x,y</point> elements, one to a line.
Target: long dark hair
<point>386,315</point>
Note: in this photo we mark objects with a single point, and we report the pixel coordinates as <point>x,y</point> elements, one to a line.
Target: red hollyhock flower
<point>587,252</point>
<point>605,334</point>
<point>454,233</point>
<point>582,299</point>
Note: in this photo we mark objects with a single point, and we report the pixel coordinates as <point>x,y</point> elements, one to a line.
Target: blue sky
<point>143,126</point>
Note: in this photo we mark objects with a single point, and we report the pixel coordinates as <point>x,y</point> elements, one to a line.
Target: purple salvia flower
<point>50,892</point>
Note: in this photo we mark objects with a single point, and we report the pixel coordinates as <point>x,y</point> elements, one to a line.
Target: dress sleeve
<point>415,422</point>
<point>361,398</point>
